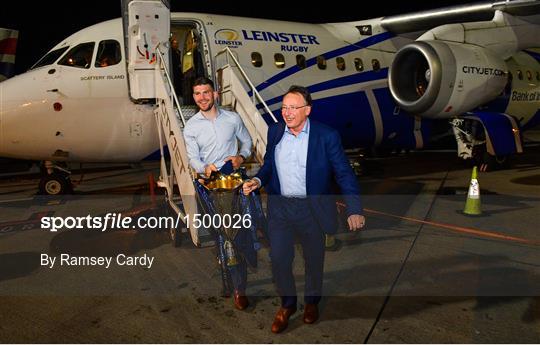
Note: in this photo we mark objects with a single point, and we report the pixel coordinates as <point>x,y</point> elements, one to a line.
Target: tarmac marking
<point>32,222</point>
<point>14,200</point>
<point>456,228</point>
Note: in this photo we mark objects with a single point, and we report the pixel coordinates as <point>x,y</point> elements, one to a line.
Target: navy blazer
<point>327,165</point>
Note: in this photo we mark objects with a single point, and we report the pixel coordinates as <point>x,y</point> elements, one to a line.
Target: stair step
<point>189,111</point>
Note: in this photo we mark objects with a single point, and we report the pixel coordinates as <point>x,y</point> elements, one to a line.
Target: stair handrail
<point>161,64</point>
<point>229,52</point>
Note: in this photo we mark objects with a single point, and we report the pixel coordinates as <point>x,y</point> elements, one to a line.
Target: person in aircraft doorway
<point>192,65</point>
<point>176,67</point>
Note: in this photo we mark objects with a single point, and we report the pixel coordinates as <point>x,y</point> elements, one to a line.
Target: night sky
<point>43,24</point>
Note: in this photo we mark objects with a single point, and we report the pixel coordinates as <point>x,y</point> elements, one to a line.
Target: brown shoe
<point>240,300</point>
<point>311,313</point>
<point>281,321</point>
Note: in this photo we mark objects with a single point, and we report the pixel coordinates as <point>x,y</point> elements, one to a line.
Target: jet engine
<point>438,79</point>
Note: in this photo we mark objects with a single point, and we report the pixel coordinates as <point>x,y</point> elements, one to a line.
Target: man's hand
<point>249,186</point>
<point>356,222</point>
<point>208,169</point>
<point>235,160</point>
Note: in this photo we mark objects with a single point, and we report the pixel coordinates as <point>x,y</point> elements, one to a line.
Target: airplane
<point>382,82</point>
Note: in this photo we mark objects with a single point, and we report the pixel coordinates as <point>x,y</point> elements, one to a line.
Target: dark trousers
<point>291,218</point>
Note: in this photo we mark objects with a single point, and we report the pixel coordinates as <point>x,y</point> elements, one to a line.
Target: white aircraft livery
<point>381,82</point>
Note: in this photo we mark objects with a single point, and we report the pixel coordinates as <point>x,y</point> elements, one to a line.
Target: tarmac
<point>420,272</point>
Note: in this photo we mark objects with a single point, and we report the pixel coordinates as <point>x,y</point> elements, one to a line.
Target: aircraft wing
<point>527,10</point>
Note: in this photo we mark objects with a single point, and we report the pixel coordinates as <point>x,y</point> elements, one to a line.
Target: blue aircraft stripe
<point>357,128</point>
<point>535,55</point>
<point>310,62</point>
<point>350,79</point>
<point>338,82</point>
<point>327,85</point>
<point>500,132</point>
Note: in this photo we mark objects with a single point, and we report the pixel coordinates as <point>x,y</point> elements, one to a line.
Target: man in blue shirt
<point>211,134</point>
<point>303,160</point>
<point>211,141</point>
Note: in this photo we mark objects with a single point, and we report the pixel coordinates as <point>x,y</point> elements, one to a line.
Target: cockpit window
<point>50,57</point>
<point>108,53</point>
<point>79,56</point>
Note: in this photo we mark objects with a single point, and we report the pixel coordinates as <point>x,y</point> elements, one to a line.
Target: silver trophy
<point>222,189</point>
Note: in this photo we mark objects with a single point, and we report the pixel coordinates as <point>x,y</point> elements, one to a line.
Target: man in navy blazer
<point>304,161</point>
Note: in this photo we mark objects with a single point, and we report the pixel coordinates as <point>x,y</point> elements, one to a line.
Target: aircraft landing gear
<point>465,132</point>
<point>55,180</point>
<point>471,142</point>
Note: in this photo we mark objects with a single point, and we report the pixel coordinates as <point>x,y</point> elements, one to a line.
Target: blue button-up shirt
<point>212,141</point>
<point>291,160</point>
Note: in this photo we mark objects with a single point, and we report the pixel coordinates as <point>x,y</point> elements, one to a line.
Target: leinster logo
<point>227,37</point>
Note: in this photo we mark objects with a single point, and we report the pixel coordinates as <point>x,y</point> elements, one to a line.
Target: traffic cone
<point>472,206</point>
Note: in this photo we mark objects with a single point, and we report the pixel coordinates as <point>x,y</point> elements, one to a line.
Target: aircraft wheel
<point>54,184</point>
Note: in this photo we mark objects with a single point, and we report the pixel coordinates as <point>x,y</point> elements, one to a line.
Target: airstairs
<point>147,28</point>
<point>171,118</point>
<point>170,123</point>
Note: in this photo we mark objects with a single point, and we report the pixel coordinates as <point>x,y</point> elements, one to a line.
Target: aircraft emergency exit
<point>380,82</point>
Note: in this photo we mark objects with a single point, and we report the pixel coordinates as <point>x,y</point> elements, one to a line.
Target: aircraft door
<point>146,25</point>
